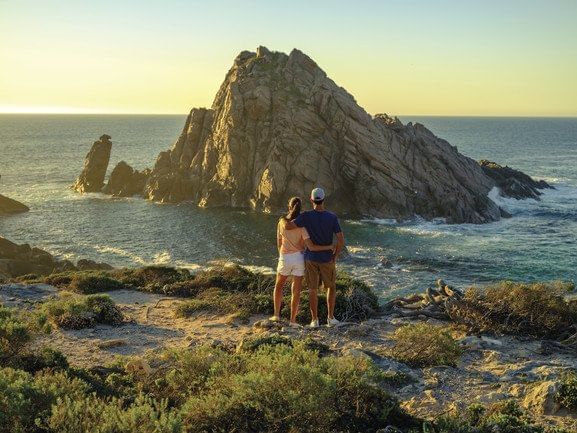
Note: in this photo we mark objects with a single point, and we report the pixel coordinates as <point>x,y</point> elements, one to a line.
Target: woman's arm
<point>314,247</point>
<point>278,237</point>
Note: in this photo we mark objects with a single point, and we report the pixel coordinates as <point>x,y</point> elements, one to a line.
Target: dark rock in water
<point>91,265</point>
<point>513,183</point>
<point>95,165</point>
<point>9,206</point>
<point>125,181</point>
<point>17,260</point>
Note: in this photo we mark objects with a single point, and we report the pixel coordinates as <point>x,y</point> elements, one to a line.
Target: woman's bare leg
<point>277,295</point>
<point>296,297</point>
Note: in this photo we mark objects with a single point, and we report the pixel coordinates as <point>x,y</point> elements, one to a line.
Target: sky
<point>402,57</point>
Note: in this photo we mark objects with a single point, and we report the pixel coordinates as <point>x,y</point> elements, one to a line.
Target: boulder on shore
<point>513,183</point>
<point>95,165</point>
<point>10,206</point>
<point>17,260</point>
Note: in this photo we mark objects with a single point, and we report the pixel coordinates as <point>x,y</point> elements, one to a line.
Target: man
<point>320,265</point>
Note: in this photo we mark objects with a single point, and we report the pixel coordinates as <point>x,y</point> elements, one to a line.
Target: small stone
<point>541,399</point>
<point>108,344</point>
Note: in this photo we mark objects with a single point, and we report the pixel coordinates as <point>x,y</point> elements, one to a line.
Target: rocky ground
<point>491,368</point>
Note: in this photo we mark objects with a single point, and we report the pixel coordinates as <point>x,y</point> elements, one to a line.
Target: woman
<point>291,246</point>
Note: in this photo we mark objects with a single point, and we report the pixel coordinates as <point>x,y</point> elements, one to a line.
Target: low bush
<point>150,278</point>
<point>14,333</point>
<point>505,417</point>
<point>17,328</point>
<point>424,345</point>
<point>45,358</point>
<point>567,394</point>
<point>284,389</point>
<point>25,400</point>
<point>537,310</point>
<point>92,414</point>
<point>217,300</point>
<point>72,311</point>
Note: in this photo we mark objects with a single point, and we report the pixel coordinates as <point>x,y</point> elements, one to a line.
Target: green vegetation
<point>536,310</point>
<point>72,311</point>
<point>92,414</point>
<point>231,290</point>
<point>567,395</point>
<point>278,388</point>
<point>281,388</point>
<point>16,329</point>
<point>503,417</point>
<point>425,345</point>
<point>26,399</point>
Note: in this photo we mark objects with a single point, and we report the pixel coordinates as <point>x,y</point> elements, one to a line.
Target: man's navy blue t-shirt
<point>321,226</point>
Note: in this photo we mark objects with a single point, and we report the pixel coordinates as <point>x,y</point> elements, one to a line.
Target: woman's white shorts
<point>291,264</point>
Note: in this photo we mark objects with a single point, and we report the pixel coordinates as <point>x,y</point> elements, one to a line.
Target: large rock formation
<point>513,183</point>
<point>279,126</point>
<point>95,165</point>
<point>9,206</point>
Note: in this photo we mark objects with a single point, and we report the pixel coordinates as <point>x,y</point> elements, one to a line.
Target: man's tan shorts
<point>316,272</point>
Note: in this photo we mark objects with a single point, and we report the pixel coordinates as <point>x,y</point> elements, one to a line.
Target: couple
<point>305,245</point>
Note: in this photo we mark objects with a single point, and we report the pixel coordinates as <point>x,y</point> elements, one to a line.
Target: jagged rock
<point>279,126</point>
<point>542,398</point>
<point>11,206</point>
<point>95,165</point>
<point>125,181</point>
<point>513,183</point>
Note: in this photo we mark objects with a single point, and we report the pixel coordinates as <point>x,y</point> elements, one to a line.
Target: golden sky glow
<point>501,58</point>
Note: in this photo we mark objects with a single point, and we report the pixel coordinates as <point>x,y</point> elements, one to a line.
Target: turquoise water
<point>41,155</point>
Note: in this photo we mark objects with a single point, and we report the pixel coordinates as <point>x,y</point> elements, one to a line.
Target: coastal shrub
<point>567,394</point>
<point>89,284</point>
<point>537,310</point>
<point>92,414</point>
<point>425,345</point>
<point>234,278</point>
<point>282,389</point>
<point>17,328</point>
<point>150,278</point>
<point>45,358</point>
<point>14,333</point>
<point>187,372</point>
<point>504,417</point>
<point>25,400</point>
<point>217,300</point>
<point>72,311</point>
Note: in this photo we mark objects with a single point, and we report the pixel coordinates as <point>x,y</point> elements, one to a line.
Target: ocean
<point>41,156</point>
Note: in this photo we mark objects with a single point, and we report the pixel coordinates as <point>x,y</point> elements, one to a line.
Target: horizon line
<point>76,113</point>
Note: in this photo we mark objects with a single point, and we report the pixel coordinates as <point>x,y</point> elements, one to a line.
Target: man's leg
<point>312,276</point>
<point>328,275</point>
